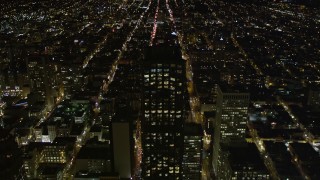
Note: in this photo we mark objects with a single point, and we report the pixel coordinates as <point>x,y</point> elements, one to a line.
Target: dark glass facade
<point>163,105</point>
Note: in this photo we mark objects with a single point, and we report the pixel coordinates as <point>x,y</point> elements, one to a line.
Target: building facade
<point>163,107</point>
<point>192,155</point>
<point>231,119</point>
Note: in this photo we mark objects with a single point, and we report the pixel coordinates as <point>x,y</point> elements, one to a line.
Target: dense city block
<point>160,89</point>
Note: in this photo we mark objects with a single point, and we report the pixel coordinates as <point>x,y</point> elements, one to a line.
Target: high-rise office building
<point>233,113</point>
<point>37,71</point>
<point>231,118</point>
<point>94,158</point>
<point>163,107</point>
<point>42,78</point>
<point>122,143</point>
<point>241,162</point>
<point>192,154</point>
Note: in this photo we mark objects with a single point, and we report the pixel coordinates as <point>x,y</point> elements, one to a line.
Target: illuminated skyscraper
<point>231,118</point>
<point>192,155</point>
<point>42,78</point>
<point>38,75</point>
<point>163,107</point>
<point>233,112</point>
